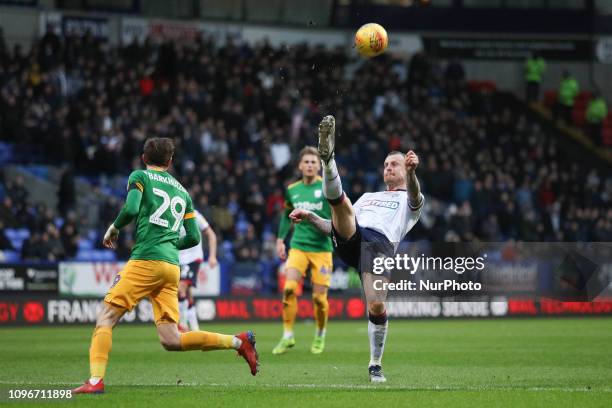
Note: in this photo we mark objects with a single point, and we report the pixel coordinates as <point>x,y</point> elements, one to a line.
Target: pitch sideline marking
<point>337,386</point>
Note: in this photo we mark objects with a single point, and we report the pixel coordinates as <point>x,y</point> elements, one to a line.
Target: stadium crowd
<point>238,115</point>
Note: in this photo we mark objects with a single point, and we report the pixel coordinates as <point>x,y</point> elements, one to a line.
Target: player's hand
<point>212,261</point>
<point>412,161</point>
<point>110,237</point>
<point>298,215</point>
<point>281,251</point>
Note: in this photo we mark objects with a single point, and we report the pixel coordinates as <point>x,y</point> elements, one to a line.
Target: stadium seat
<point>17,236</point>
<point>39,171</point>
<point>550,98</point>
<point>482,86</point>
<point>95,255</point>
<point>584,96</point>
<point>9,256</point>
<point>578,116</point>
<point>607,136</point>
<point>85,243</point>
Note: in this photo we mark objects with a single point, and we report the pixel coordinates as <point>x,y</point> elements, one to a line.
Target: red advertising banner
<point>24,311</point>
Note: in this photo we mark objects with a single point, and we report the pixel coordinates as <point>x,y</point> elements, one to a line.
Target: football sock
<point>101,344</point>
<point>205,341</point>
<point>192,317</point>
<point>183,307</point>
<point>332,186</point>
<point>289,305</point>
<point>377,333</point>
<point>321,309</point>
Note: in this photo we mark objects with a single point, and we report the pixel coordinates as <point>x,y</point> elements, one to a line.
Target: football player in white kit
<point>190,260</point>
<point>382,218</point>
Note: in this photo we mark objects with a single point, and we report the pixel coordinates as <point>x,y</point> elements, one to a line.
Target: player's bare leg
<point>343,218</point>
<point>183,305</point>
<point>101,344</point>
<point>292,279</point>
<point>321,310</point>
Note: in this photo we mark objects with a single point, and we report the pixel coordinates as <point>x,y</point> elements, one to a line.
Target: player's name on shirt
<point>166,180</point>
<point>306,205</point>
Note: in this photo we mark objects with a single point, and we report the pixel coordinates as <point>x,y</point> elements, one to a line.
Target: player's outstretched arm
<point>415,200</point>
<point>211,237</point>
<point>323,225</point>
<point>192,236</point>
<point>128,212</point>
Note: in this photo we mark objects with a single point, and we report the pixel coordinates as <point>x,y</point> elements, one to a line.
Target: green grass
<point>539,362</point>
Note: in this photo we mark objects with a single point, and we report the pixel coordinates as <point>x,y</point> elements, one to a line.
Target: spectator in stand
<point>31,248</point>
<point>66,193</point>
<point>69,234</point>
<point>534,69</point>
<point>568,90</point>
<point>51,245</point>
<point>16,190</point>
<point>7,213</point>
<point>597,111</point>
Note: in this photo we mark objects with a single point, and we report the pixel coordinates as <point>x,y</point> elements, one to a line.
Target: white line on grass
<point>335,386</point>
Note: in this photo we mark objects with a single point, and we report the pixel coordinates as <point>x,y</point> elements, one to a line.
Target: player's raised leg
<point>343,215</point>
<point>165,312</point>
<point>292,278</point>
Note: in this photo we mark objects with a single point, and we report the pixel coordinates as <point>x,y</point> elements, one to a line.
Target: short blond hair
<point>309,150</point>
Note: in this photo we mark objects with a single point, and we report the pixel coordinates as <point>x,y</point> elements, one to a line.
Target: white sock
<point>193,318</point>
<point>321,332</point>
<point>94,380</point>
<point>378,335</point>
<point>287,334</point>
<point>236,343</point>
<point>183,305</point>
<point>332,186</point>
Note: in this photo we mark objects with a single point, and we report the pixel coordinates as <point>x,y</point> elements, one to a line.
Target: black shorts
<point>350,250</point>
<point>189,273</point>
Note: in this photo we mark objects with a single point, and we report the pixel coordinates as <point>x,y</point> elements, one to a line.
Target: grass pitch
<point>537,362</point>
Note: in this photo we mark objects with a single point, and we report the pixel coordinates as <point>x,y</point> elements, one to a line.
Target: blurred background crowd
<point>239,114</point>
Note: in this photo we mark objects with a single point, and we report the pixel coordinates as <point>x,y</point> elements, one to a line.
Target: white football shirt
<point>195,253</point>
<point>387,212</point>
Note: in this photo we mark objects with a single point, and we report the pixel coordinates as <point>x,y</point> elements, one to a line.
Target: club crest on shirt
<point>318,193</point>
<point>116,280</point>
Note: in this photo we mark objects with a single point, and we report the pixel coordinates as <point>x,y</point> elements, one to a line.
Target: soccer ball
<point>371,40</point>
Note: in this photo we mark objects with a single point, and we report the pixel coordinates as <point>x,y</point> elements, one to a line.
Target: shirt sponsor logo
<point>392,205</point>
<point>305,205</point>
